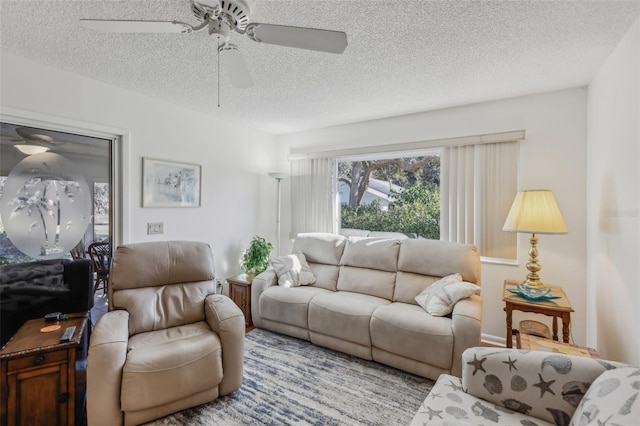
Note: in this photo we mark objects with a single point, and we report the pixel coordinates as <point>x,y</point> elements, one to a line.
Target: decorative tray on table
<point>533,294</point>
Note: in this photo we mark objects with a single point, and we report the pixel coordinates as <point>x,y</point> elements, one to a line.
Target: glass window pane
<point>100,211</point>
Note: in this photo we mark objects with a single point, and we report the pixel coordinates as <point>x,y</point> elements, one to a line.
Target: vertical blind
<point>313,205</point>
<point>477,186</point>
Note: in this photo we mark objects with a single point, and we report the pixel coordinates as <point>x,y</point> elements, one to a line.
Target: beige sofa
<point>362,302</point>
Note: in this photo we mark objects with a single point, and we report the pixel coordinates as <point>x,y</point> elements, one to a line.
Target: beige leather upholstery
<point>363,302</point>
<point>168,342</point>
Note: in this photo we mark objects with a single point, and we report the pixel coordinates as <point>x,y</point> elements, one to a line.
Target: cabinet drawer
<point>37,360</point>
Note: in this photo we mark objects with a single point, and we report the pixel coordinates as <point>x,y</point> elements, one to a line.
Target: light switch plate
<point>155,228</point>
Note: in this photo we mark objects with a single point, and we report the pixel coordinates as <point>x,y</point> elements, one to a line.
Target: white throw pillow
<point>440,297</point>
<point>612,399</point>
<point>292,270</point>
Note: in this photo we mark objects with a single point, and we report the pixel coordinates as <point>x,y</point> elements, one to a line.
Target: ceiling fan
<point>220,18</point>
<point>31,142</point>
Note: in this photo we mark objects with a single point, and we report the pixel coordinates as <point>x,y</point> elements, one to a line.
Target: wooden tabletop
<point>242,279</point>
<point>29,338</point>
<point>560,304</point>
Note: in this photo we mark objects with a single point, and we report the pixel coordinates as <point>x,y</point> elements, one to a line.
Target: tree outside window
<point>100,211</point>
<point>391,195</point>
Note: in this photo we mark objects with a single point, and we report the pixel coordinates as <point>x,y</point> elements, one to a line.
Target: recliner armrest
<point>227,321</point>
<point>260,283</point>
<point>107,355</point>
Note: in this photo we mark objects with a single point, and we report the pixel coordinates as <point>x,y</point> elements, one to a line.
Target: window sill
<point>498,261</point>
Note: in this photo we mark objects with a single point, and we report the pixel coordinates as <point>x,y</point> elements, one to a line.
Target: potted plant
<point>255,259</point>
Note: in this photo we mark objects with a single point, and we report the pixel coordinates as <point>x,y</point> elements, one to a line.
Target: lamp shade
<point>535,212</point>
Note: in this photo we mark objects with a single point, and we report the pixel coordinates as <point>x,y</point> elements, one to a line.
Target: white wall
<point>553,156</point>
<point>238,198</point>
<point>613,203</point>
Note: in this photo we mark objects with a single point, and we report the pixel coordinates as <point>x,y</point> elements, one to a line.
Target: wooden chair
<point>100,254</point>
<point>78,252</point>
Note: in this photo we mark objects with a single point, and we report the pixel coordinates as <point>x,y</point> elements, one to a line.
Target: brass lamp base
<point>533,279</point>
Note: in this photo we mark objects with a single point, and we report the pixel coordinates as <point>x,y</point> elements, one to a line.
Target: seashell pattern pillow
<point>612,399</point>
<point>549,386</point>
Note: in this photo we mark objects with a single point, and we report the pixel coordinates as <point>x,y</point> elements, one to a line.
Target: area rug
<point>288,381</point>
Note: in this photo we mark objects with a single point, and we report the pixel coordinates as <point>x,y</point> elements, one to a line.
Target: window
<point>392,194</point>
<point>100,211</point>
<point>367,189</point>
<point>8,252</point>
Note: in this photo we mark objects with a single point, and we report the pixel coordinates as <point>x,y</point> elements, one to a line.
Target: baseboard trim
<point>491,340</point>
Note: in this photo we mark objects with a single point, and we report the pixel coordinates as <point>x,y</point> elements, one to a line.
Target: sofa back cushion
<point>371,253</point>
<point>409,285</point>
<point>545,385</point>
<point>369,266</point>
<point>326,275</point>
<point>320,247</point>
<point>432,259</point>
<point>161,284</point>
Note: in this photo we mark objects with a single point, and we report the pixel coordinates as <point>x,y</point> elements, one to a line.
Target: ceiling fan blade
<point>109,26</point>
<point>233,64</point>
<point>299,37</point>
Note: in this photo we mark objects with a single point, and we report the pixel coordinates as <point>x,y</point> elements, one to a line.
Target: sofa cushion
<point>448,405</point>
<point>439,258</point>
<point>154,308</point>
<point>288,305</point>
<point>292,270</point>
<point>344,315</point>
<point>326,275</point>
<point>409,285</point>
<point>407,330</point>
<point>320,248</point>
<point>612,399</point>
<point>367,281</point>
<point>167,365</point>
<point>545,385</point>
<point>371,253</point>
<point>440,297</point>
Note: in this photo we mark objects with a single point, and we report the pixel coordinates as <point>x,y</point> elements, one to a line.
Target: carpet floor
<point>288,381</point>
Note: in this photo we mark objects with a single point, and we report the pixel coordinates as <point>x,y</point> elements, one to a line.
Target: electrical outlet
<point>155,228</point>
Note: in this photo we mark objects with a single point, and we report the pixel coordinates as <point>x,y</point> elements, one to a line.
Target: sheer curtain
<point>313,205</point>
<point>477,186</point>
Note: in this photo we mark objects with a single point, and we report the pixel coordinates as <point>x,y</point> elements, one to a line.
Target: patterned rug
<point>290,381</point>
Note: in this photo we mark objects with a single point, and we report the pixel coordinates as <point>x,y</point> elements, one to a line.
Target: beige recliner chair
<point>168,342</point>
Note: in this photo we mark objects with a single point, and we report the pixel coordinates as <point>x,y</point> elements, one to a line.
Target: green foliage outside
<point>415,211</point>
<point>255,259</point>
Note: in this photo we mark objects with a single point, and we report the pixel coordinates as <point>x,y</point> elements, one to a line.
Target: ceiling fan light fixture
<point>31,149</point>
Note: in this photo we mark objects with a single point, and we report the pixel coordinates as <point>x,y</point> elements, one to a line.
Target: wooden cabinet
<point>240,293</point>
<point>39,375</point>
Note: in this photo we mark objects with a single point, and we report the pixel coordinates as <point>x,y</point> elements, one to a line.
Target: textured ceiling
<point>402,57</point>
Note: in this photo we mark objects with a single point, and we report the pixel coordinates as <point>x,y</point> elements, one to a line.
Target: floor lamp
<point>278,177</point>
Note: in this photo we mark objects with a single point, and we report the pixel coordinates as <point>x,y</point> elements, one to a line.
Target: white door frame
<point>120,155</point>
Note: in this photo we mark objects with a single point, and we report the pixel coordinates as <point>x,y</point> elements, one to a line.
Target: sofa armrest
<point>260,283</point>
<point>107,355</point>
<point>226,319</point>
<point>545,385</point>
<point>466,321</point>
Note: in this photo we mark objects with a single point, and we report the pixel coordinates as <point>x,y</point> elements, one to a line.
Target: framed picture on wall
<point>170,184</point>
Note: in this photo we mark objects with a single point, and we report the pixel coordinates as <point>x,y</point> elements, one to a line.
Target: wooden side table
<point>240,293</point>
<point>556,308</point>
<point>39,374</point>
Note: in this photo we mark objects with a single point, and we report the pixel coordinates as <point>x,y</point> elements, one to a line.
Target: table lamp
<point>535,212</point>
